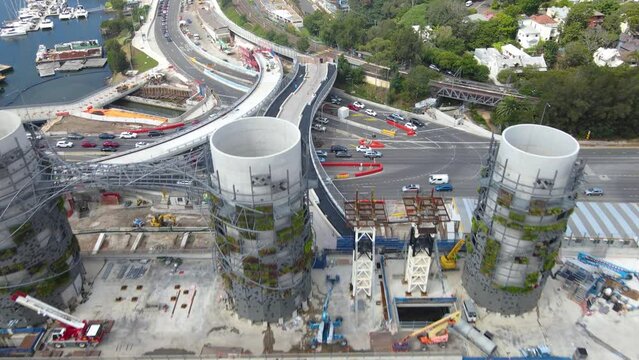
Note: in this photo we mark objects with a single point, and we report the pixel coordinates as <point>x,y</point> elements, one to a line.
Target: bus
<point>470,312</point>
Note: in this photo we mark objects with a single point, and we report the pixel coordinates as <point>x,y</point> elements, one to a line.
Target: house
<point>537,28</point>
<point>628,48</point>
<point>596,19</point>
<point>559,14</point>
<point>607,57</point>
<point>510,57</point>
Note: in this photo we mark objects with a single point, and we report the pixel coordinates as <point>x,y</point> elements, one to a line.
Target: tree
<point>575,54</point>
<point>445,12</point>
<point>116,57</point>
<point>551,48</point>
<point>313,22</point>
<point>118,4</point>
<point>596,38</point>
<point>506,76</point>
<point>416,84</point>
<point>511,111</point>
<point>303,44</point>
<point>406,45</point>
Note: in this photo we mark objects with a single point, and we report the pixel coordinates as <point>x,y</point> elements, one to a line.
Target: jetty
<point>50,68</point>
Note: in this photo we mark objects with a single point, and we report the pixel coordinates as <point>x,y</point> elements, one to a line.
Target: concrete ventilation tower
<point>526,195</point>
<point>261,217</point>
<point>38,252</point>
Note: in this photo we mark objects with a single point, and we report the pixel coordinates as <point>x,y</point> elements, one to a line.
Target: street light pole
<point>543,113</point>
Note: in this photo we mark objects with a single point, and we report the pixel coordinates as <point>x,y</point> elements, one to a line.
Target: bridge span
<point>473,92</point>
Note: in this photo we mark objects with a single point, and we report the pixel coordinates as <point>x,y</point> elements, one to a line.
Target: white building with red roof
<point>537,28</point>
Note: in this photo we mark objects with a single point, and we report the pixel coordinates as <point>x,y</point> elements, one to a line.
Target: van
<point>438,179</point>
<point>469,3</point>
<point>470,312</point>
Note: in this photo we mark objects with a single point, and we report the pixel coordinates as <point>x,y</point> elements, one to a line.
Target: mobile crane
<point>449,261</point>
<point>435,333</point>
<point>326,328</point>
<point>73,332</point>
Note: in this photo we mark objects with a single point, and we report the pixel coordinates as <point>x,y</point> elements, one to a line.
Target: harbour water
<point>24,86</point>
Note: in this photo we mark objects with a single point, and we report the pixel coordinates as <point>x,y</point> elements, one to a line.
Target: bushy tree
<point>303,44</point>
<point>116,57</point>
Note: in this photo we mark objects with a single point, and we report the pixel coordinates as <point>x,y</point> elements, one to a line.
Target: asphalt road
<point>439,149</point>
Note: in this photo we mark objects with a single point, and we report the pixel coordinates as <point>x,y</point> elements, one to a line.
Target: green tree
<point>313,22</point>
<point>551,49</point>
<point>416,83</point>
<point>116,57</point>
<point>445,12</point>
<point>575,54</point>
<point>303,44</point>
<point>118,4</point>
<point>506,76</point>
<point>406,45</point>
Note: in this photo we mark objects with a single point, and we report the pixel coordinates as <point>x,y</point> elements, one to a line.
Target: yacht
<point>27,14</point>
<point>12,31</point>
<point>66,14</point>
<point>46,24</point>
<point>80,12</point>
<point>53,10</point>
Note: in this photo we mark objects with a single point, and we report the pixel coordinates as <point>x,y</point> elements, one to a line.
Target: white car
<point>469,3</point>
<point>141,144</point>
<point>318,127</point>
<point>370,112</point>
<point>38,136</point>
<point>411,126</point>
<point>359,105</point>
<point>410,187</point>
<point>363,148</point>
<point>128,135</point>
<point>64,144</point>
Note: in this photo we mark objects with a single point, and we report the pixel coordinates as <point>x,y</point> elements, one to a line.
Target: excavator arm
<point>449,261</point>
<point>430,331</point>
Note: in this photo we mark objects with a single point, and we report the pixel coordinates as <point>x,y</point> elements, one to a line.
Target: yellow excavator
<point>162,220</point>
<point>449,261</point>
<point>435,333</point>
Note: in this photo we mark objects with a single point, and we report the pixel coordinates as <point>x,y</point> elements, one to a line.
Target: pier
<point>50,68</point>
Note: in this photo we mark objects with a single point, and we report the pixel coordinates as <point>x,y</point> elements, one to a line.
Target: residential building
<point>559,14</point>
<point>537,28</point>
<point>596,19</point>
<point>510,57</point>
<point>628,48</point>
<point>607,57</point>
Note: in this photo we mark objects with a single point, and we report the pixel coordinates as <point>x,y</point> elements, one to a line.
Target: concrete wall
<point>38,252</point>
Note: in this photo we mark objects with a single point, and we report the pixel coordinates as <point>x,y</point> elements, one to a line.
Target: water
<point>24,85</point>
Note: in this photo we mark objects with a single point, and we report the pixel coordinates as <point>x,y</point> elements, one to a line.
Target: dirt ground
<point>84,126</point>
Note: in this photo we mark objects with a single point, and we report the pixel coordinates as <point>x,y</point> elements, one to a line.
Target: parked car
<point>88,144</point>
<point>353,107</point>
<point>594,191</point>
<point>433,67</point>
<point>64,144</point>
<point>370,112</point>
<point>363,148</point>
<point>417,122</point>
<point>106,136</point>
<point>75,136</point>
<point>410,125</point>
<point>140,144</point>
<point>444,187</point>
<point>335,99</point>
<point>373,154</point>
<point>155,133</point>
<point>108,149</point>
<point>111,144</point>
<point>318,127</point>
<point>336,148</point>
<point>359,105</point>
<point>321,153</point>
<point>128,135</point>
<point>469,3</point>
<point>342,154</point>
<point>321,120</point>
<point>410,187</point>
<point>37,136</point>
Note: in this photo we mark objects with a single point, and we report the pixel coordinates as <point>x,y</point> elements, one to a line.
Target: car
<point>336,100</point>
<point>108,149</point>
<point>363,148</point>
<point>155,133</point>
<point>64,144</point>
<point>342,154</point>
<point>336,148</point>
<point>444,187</point>
<point>140,144</point>
<point>169,40</point>
<point>359,105</point>
<point>318,127</point>
<point>88,144</point>
<point>469,3</point>
<point>417,122</point>
<point>433,67</point>
<point>128,135</point>
<point>370,112</point>
<point>449,73</point>
<point>390,118</point>
<point>37,136</point>
<point>410,187</point>
<point>321,120</point>
<point>106,136</point>
<point>75,136</point>
<point>353,107</point>
<point>594,191</point>
<point>110,143</point>
<point>322,159</point>
<point>321,153</point>
<point>397,117</point>
<point>373,154</point>
<point>410,125</point>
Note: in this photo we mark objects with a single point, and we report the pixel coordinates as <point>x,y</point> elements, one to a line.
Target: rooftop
<point>543,19</point>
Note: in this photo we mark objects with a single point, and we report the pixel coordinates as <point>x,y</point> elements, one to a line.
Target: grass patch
<point>141,61</point>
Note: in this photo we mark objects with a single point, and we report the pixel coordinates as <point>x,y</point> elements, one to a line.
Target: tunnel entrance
<point>417,316</point>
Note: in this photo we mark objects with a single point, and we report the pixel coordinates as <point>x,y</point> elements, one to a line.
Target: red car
<point>88,144</point>
<point>353,107</point>
<point>109,143</point>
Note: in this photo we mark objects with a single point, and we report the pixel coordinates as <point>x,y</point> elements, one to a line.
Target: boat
<point>75,50</point>
<point>80,12</point>
<point>46,24</point>
<point>66,14</point>
<point>12,31</point>
<point>53,11</point>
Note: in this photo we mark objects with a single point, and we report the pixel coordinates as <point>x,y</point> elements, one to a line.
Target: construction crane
<point>326,328</point>
<point>162,220</point>
<point>449,261</point>
<point>73,332</point>
<point>435,333</point>
<point>624,273</point>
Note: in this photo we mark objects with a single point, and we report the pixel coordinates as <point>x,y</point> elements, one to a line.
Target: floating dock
<point>49,69</point>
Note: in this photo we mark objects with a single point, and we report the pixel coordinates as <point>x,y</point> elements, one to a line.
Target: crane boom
<point>436,327</point>
<point>449,261</point>
<point>47,310</point>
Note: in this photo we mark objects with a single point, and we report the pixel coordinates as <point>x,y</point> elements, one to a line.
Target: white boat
<point>53,11</point>
<point>12,31</point>
<point>80,12</point>
<point>46,24</point>
<point>26,14</point>
<point>66,14</point>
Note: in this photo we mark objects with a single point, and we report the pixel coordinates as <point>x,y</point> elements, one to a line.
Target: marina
<point>35,16</point>
<point>74,50</point>
<point>50,68</point>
